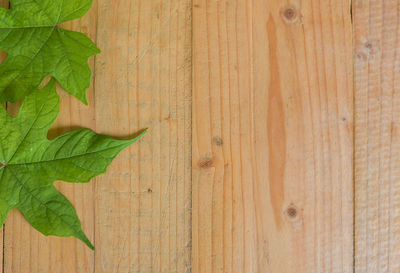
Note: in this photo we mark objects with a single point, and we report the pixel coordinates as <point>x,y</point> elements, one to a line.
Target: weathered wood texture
<point>377,142</point>
<point>143,79</point>
<point>272,136</point>
<point>138,214</point>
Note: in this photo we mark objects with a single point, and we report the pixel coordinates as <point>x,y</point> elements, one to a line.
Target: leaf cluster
<point>38,47</point>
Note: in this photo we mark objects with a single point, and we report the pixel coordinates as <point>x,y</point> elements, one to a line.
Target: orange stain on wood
<point>276,128</point>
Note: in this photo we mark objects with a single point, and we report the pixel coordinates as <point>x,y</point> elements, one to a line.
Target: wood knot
<point>149,190</point>
<point>289,14</point>
<point>292,212</point>
<point>206,163</point>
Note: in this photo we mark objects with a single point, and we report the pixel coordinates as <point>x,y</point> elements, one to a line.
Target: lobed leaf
<point>30,163</point>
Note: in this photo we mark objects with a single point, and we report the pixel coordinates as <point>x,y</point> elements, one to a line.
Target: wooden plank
<point>143,79</point>
<point>26,250</point>
<point>272,136</point>
<point>377,145</point>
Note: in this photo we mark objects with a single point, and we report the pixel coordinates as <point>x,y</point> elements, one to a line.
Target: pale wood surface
<point>377,142</point>
<point>272,136</point>
<point>143,80</point>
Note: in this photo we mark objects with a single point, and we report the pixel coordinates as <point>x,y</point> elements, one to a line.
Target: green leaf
<point>37,48</point>
<point>30,163</point>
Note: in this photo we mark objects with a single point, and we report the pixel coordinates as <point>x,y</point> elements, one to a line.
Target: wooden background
<point>274,142</point>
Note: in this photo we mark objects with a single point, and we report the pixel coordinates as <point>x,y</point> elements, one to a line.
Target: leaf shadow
<point>59,130</point>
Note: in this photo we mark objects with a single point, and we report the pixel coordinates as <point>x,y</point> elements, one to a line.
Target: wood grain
<point>143,80</point>
<point>377,143</point>
<point>272,136</point>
